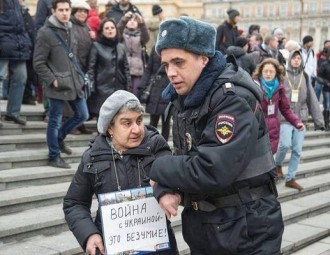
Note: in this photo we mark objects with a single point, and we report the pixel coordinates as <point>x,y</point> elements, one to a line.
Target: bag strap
<point>70,54</point>
<point>150,84</point>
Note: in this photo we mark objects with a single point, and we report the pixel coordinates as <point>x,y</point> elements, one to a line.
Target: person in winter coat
<point>303,102</point>
<point>108,67</point>
<point>83,35</point>
<point>324,74</point>
<point>93,19</point>
<point>156,105</point>
<point>223,169</point>
<point>227,32</point>
<point>32,79</point>
<point>321,57</point>
<point>119,158</point>
<point>239,51</point>
<point>60,79</point>
<point>15,50</point>
<point>134,34</point>
<point>123,6</point>
<point>269,75</point>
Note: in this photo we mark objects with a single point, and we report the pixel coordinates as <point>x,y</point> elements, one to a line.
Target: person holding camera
<point>121,8</point>
<point>134,34</point>
<point>153,82</point>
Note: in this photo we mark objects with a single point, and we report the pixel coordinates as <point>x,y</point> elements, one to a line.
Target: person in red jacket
<point>269,75</point>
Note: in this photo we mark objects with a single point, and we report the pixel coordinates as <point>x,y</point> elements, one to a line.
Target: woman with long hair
<point>108,66</point>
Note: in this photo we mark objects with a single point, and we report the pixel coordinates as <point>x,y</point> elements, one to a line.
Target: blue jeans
<point>290,137</point>
<point>17,79</point>
<point>318,89</point>
<point>326,100</point>
<point>56,132</point>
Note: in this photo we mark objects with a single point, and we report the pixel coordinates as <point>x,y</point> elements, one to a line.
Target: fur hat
<point>188,34</point>
<point>232,13</point>
<point>278,31</point>
<point>156,9</point>
<point>80,4</point>
<point>111,106</point>
<point>292,45</point>
<point>307,39</point>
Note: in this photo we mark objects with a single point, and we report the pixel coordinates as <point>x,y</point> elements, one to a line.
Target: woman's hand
<point>93,242</point>
<point>300,126</point>
<point>92,34</point>
<point>139,18</point>
<point>169,203</point>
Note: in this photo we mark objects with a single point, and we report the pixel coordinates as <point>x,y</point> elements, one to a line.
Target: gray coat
<point>133,41</point>
<point>52,63</point>
<point>307,101</point>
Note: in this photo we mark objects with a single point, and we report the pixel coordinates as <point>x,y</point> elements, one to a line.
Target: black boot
<point>326,120</point>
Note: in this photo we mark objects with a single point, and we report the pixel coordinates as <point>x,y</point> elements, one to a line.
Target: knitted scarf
<point>269,86</point>
<point>203,85</point>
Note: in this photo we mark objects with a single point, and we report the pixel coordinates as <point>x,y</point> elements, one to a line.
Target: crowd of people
<point>238,101</point>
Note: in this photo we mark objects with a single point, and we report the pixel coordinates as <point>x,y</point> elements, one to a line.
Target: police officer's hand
<point>169,203</point>
<point>93,242</point>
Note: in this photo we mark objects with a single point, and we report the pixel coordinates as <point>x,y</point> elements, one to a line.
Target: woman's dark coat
<point>96,175</point>
<point>156,104</point>
<point>81,33</point>
<point>109,71</point>
<point>14,39</point>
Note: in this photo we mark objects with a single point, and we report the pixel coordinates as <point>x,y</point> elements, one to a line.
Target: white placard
<point>133,222</point>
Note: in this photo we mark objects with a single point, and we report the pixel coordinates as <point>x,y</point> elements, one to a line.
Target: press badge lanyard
<point>294,92</point>
<point>270,106</point>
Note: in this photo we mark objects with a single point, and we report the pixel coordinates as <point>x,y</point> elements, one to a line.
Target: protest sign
<point>133,222</point>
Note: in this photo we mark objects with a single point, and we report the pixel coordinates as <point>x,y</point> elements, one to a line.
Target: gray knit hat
<point>188,34</point>
<point>111,106</point>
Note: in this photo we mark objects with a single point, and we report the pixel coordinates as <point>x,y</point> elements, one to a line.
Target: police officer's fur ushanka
<point>111,106</point>
<point>188,34</point>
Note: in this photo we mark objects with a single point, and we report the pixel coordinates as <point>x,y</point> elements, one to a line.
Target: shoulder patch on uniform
<point>224,127</point>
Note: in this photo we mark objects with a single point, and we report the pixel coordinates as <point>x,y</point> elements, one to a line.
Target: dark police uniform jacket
<point>96,174</point>
<point>223,150</point>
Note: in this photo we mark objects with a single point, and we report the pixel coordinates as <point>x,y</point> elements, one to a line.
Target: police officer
<point>223,170</point>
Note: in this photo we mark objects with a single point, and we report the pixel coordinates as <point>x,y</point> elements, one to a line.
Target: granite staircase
<point>31,193</point>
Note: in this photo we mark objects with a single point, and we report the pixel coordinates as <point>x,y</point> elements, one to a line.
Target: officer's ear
<point>205,60</point>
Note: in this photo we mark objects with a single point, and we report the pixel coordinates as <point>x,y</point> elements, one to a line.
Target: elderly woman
<point>119,158</point>
<point>269,75</point>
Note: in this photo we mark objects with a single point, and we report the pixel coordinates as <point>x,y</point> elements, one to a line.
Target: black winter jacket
<point>156,104</point>
<point>81,33</point>
<point>109,70</point>
<point>226,36</point>
<point>244,60</point>
<point>14,39</point>
<point>96,175</point>
<point>209,166</point>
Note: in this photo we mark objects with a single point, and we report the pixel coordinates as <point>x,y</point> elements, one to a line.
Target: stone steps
<point>46,202</point>
<point>31,193</point>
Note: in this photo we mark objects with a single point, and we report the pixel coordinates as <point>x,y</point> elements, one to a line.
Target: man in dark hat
<point>227,32</point>
<point>223,169</point>
<point>153,25</point>
<point>309,58</point>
